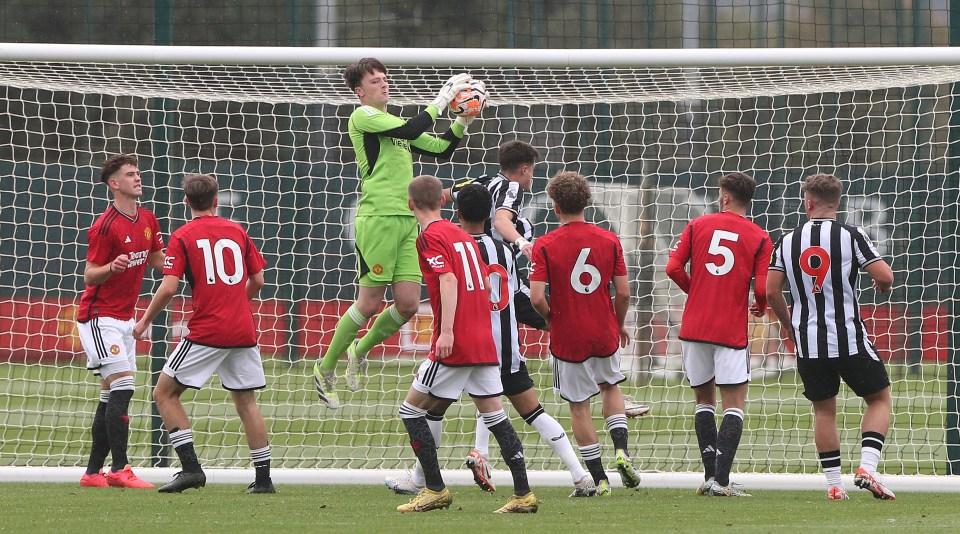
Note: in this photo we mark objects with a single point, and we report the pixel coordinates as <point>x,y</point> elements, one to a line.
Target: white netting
<point>652,140</point>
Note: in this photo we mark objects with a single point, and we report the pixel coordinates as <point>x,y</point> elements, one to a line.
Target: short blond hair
<point>426,192</point>
<point>825,187</point>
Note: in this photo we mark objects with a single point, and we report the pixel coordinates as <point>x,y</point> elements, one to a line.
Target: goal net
<point>653,140</point>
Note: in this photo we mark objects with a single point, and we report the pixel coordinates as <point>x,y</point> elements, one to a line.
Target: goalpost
<point>652,130</point>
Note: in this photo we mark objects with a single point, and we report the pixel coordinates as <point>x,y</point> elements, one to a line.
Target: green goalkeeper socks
<point>387,324</point>
<point>346,331</point>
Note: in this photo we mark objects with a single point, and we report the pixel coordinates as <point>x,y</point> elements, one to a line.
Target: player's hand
<point>450,89</point>
<point>444,345</point>
<point>882,289</point>
<point>465,121</point>
<point>527,250</point>
<point>624,336</point>
<point>756,311</point>
<point>120,264</point>
<point>141,331</point>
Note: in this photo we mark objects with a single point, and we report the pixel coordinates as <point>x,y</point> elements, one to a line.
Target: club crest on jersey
<point>377,269</point>
<point>147,233</point>
<point>436,262</point>
<point>115,349</point>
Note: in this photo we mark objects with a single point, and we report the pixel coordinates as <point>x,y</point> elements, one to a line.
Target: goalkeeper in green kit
<point>385,228</point>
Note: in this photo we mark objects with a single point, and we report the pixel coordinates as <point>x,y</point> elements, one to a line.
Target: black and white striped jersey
<point>822,261</point>
<point>507,195</point>
<point>506,334</point>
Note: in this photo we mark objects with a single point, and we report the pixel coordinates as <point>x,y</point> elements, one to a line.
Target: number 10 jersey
<point>217,257</point>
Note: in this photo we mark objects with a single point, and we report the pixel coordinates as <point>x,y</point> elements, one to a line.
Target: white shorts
<point>239,368</point>
<point>448,383</point>
<point>704,362</point>
<point>578,381</point>
<point>109,345</point>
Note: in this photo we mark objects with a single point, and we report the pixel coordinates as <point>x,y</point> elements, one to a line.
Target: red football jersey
<point>725,251</point>
<point>115,233</point>
<point>444,247</point>
<point>578,261</point>
<point>217,257</point>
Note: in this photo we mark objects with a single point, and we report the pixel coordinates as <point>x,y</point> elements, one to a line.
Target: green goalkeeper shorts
<point>387,250</point>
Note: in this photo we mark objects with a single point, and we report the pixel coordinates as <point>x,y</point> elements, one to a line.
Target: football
<point>471,101</point>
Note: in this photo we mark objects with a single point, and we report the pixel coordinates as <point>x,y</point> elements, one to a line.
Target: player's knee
<point>407,309</point>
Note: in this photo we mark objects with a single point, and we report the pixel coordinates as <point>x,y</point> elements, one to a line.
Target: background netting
<point>653,142</point>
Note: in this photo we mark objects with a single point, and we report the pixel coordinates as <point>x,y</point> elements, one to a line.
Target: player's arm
<point>679,256</point>
<point>621,304</point>
<point>448,310</point>
<point>95,274</point>
<point>255,283</point>
<point>761,266</point>
<point>166,291</point>
<point>538,299</point>
<point>774,287</point>
<point>678,273</point>
<point>155,259</point>
<point>882,275</point>
<point>441,147</point>
<point>503,223</point>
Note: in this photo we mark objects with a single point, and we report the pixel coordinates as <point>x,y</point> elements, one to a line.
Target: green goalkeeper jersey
<point>384,145</point>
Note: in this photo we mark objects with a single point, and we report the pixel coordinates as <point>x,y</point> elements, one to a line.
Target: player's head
<point>823,190</point>
<point>426,193</point>
<point>201,191</point>
<point>474,203</point>
<point>517,160</point>
<point>367,78</point>
<point>738,189</point>
<point>569,191</point>
<point>122,175</point>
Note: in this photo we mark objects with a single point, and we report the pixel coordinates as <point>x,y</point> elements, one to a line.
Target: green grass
<point>46,411</point>
<point>26,508</point>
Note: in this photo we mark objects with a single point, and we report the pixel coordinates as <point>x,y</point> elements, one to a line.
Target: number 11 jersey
<point>578,261</point>
<point>217,257</point>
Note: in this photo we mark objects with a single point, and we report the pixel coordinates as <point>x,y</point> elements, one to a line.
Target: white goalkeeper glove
<point>465,121</point>
<point>450,89</point>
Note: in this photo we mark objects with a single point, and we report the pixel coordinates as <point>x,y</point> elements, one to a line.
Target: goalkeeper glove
<point>449,91</point>
<point>465,121</point>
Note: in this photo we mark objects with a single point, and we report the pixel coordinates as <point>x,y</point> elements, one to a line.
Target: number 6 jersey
<point>725,251</point>
<point>578,261</point>
<point>217,257</point>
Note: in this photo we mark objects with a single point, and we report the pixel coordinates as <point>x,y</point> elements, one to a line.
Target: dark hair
<point>825,187</point>
<point>426,192</point>
<point>569,191</point>
<point>201,190</point>
<point>114,163</point>
<point>473,203</point>
<point>354,74</point>
<point>513,154</point>
<point>740,185</point>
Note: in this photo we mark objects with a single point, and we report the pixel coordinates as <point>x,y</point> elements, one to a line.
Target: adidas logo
<point>128,239</point>
<point>708,448</point>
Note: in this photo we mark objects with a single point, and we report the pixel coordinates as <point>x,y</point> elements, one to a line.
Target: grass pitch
<point>27,508</point>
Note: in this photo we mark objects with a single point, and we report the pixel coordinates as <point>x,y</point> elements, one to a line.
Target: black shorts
<point>821,376</point>
<point>516,383</point>
<point>525,312</point>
